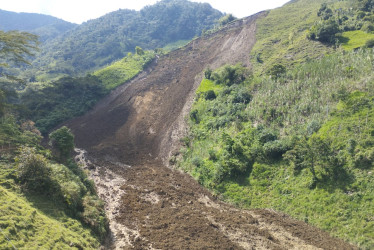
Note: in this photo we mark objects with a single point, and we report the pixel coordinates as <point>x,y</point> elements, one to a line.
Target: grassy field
<point>124,69</point>
<point>282,35</point>
<point>355,39</point>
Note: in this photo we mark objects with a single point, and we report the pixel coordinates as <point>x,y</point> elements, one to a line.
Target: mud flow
<point>127,139</point>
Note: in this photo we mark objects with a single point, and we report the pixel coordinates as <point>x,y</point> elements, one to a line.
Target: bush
<point>226,19</point>
<point>242,96</point>
<point>369,43</point>
<point>196,161</point>
<point>94,215</point>
<point>277,71</point>
<point>208,73</point>
<point>367,27</point>
<point>324,31</point>
<point>194,116</point>
<point>139,51</point>
<point>275,149</point>
<point>33,170</point>
<point>230,75</point>
<point>210,95</point>
<point>63,140</point>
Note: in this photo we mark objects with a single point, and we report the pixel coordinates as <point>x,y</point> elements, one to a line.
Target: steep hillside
<point>129,137</point>
<point>46,200</point>
<point>101,41</point>
<point>46,27</point>
<point>297,135</point>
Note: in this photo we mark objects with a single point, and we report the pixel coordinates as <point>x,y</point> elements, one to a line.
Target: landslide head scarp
<point>144,119</point>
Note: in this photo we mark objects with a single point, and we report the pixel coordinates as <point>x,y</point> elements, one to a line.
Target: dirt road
<point>129,137</point>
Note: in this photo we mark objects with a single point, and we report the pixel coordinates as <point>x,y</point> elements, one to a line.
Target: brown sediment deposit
<point>129,137</point>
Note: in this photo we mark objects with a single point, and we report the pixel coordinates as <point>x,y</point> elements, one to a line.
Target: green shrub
<point>33,170</point>
<point>226,19</point>
<point>230,75</point>
<point>208,73</point>
<point>324,31</point>
<point>63,140</point>
<point>210,95</point>
<point>194,116</point>
<point>275,149</point>
<point>94,215</point>
<point>277,71</point>
<point>139,51</point>
<point>369,43</point>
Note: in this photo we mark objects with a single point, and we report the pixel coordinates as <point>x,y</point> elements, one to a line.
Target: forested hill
<point>108,38</point>
<point>46,27</point>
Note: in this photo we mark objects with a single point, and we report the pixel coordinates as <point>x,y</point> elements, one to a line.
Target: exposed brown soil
<point>130,135</point>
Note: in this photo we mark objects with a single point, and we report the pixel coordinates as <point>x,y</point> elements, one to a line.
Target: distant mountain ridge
<point>101,41</point>
<point>45,26</point>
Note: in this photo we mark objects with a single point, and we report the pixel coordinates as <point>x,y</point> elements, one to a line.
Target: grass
<point>281,36</point>
<point>355,39</point>
<point>26,227</point>
<point>207,85</point>
<point>124,69</point>
<point>37,222</point>
<point>175,45</point>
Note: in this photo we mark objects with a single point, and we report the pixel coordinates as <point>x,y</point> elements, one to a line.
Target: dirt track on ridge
<point>129,136</point>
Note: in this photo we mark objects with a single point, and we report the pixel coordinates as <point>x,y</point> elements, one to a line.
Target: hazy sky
<point>78,11</point>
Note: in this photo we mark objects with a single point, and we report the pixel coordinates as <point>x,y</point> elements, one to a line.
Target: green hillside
<point>46,201</point>
<point>49,105</point>
<point>99,42</point>
<point>44,226</point>
<point>296,133</point>
<point>46,27</point>
<point>125,69</point>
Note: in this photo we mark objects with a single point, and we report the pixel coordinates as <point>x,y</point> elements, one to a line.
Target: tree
<point>139,51</point>
<point>327,31</point>
<point>324,31</point>
<point>316,155</point>
<point>15,46</point>
<point>63,140</point>
<point>226,19</point>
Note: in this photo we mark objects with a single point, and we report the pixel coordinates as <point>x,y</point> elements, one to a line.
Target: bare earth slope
<point>129,137</point>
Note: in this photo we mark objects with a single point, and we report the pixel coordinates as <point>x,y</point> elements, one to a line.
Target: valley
<point>129,137</point>
<point>179,126</point>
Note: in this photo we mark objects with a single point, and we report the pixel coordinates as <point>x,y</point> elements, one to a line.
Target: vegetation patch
<point>300,142</point>
<point>47,201</point>
<point>355,39</point>
<point>124,69</point>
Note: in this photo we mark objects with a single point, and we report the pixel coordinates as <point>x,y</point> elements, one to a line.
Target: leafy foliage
<point>63,140</point>
<point>66,98</point>
<point>15,46</point>
<point>324,31</point>
<point>33,170</point>
<point>226,19</point>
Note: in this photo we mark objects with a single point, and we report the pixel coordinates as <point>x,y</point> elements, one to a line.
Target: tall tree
<point>15,47</point>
